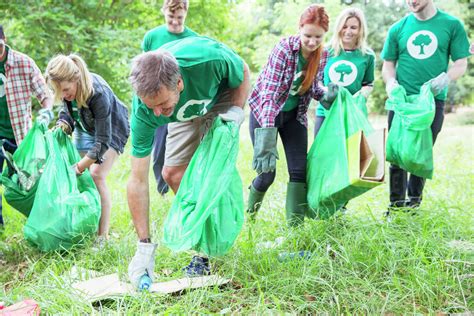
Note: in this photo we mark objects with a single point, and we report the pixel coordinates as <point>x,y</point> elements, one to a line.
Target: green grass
<point>363,264</point>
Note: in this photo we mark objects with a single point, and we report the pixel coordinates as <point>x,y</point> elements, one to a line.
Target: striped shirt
<point>274,82</point>
<point>24,80</point>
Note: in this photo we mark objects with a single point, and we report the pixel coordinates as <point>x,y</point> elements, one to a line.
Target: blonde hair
<point>361,43</point>
<point>70,68</point>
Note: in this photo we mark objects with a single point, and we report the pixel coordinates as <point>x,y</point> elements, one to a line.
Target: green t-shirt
<point>294,97</point>
<point>160,35</point>
<point>207,67</point>
<point>75,116</point>
<point>6,130</point>
<point>350,69</point>
<point>422,49</point>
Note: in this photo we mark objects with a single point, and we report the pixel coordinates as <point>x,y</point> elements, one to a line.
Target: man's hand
<point>76,169</point>
<point>265,151</point>
<point>233,114</point>
<point>391,84</point>
<point>329,97</point>
<point>439,83</point>
<point>142,263</point>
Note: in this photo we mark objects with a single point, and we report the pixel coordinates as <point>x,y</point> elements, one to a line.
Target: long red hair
<point>314,14</point>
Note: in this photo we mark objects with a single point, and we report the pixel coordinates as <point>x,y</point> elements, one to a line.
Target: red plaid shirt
<point>274,82</point>
<point>24,80</point>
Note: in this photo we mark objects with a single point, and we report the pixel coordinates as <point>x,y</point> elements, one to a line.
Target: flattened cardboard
<point>110,286</point>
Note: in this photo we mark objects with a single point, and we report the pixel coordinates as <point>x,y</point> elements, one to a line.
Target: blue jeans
<point>10,146</point>
<point>82,140</point>
<point>294,137</point>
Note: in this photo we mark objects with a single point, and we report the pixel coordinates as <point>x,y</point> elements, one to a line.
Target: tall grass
<point>361,263</point>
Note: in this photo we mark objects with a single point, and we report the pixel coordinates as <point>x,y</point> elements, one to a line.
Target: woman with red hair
<point>279,102</point>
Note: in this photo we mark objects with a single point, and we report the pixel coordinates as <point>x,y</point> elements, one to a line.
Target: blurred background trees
<point>108,33</point>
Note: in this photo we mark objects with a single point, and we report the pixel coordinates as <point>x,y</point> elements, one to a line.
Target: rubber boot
<point>296,203</point>
<point>255,201</point>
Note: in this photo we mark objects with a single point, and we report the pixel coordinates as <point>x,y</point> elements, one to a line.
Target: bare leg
<point>99,174</point>
<point>173,176</point>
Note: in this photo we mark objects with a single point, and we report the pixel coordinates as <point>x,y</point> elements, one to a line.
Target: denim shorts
<point>83,140</point>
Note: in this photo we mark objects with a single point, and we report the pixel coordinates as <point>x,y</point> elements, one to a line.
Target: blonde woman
<point>97,119</point>
<point>351,63</point>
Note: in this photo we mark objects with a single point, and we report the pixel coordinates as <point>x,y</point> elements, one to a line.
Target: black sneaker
<point>198,266</point>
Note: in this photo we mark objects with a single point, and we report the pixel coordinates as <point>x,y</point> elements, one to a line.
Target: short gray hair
<point>153,70</point>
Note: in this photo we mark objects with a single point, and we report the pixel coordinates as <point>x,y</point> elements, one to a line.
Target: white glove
<point>365,91</point>
<point>439,83</point>
<point>233,114</point>
<point>45,116</point>
<point>142,263</point>
<point>390,85</point>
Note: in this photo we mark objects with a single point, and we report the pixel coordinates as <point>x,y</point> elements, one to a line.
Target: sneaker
<point>198,266</point>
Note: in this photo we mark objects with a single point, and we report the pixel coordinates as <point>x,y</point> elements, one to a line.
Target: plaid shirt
<point>274,82</point>
<point>24,79</point>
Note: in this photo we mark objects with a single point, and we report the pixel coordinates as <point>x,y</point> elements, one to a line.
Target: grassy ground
<point>362,264</point>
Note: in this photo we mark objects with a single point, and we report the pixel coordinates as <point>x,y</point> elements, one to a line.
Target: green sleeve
<point>146,43</point>
<point>370,71</point>
<point>142,130</point>
<point>459,47</point>
<point>390,47</point>
<point>233,68</point>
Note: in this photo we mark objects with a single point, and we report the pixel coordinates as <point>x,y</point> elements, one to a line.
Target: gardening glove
<point>439,83</point>
<point>233,114</point>
<point>265,151</point>
<point>329,97</point>
<point>365,91</point>
<point>62,124</point>
<point>142,263</point>
<point>390,85</point>
<point>45,116</point>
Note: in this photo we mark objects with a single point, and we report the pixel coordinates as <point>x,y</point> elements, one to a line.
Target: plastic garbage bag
<point>66,207</point>
<point>21,175</point>
<point>207,212</point>
<point>410,141</point>
<point>334,174</point>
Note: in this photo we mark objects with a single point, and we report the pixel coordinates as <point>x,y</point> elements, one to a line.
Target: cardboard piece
<point>26,307</point>
<point>110,286</point>
<point>366,157</point>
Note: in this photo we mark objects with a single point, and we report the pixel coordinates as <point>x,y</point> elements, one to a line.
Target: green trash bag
<point>21,175</point>
<point>410,141</point>
<point>66,207</point>
<point>330,183</point>
<point>207,213</point>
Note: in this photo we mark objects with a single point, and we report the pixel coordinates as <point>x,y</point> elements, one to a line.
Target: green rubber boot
<point>296,203</point>
<point>255,201</point>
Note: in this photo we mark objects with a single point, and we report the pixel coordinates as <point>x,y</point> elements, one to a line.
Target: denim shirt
<point>105,117</point>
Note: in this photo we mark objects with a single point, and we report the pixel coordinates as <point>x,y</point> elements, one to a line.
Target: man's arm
<point>240,94</point>
<point>457,69</point>
<point>388,70</point>
<point>138,196</point>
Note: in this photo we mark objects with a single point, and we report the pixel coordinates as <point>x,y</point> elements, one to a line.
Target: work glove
<point>329,97</point>
<point>391,84</point>
<point>439,83</point>
<point>142,263</point>
<point>365,91</point>
<point>62,124</point>
<point>233,114</point>
<point>45,116</point>
<point>265,151</point>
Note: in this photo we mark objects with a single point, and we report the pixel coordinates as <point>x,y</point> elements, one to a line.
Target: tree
<point>422,40</point>
<point>343,69</point>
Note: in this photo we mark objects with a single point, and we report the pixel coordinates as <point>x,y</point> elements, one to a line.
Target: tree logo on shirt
<point>422,44</point>
<point>297,80</point>
<point>343,73</point>
<point>192,109</point>
<point>3,79</point>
